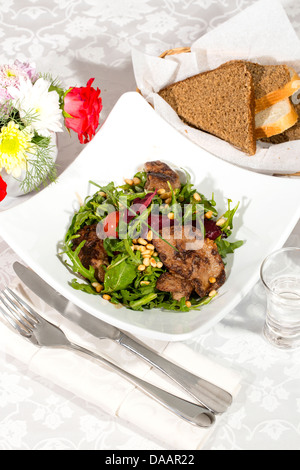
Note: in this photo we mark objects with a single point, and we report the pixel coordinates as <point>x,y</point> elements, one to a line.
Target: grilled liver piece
<point>158,175</point>
<point>196,261</point>
<point>93,252</point>
<point>177,285</point>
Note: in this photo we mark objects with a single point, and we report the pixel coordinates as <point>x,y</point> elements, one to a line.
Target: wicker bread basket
<point>186,50</point>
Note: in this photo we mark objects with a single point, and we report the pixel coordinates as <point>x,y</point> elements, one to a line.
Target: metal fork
<point>41,332</point>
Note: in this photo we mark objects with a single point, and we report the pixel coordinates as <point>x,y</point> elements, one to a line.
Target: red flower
<point>82,107</point>
<point>3,188</point>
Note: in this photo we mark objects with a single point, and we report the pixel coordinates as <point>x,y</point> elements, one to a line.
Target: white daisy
<point>39,106</point>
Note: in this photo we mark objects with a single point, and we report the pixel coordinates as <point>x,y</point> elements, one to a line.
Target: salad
<point>153,242</point>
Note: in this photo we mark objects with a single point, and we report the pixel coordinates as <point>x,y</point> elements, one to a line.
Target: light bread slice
<point>288,90</point>
<point>275,119</point>
<point>220,102</point>
<point>291,134</point>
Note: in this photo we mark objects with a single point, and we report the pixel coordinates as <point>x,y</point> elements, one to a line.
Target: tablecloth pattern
<point>76,40</point>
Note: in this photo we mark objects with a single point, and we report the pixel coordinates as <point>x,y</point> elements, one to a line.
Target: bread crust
<point>220,102</point>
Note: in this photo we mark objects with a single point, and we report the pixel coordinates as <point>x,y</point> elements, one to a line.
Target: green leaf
<point>119,276</point>
<point>229,215</point>
<point>113,245</point>
<point>225,247</point>
<point>77,266</point>
<point>142,175</point>
<point>137,304</point>
<point>83,287</point>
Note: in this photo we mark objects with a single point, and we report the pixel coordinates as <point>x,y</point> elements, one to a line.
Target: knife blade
<point>54,299</point>
<point>209,395</point>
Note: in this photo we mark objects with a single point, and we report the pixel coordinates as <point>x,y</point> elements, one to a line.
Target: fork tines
<point>17,312</point>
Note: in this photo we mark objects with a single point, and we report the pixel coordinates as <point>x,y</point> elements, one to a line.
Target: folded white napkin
<point>262,33</point>
<point>90,380</point>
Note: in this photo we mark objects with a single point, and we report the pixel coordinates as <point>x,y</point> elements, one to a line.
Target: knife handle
<point>209,395</point>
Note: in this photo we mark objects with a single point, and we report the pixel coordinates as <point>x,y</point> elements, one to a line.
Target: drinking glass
<point>280,274</point>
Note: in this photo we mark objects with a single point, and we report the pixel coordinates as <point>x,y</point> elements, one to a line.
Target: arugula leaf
<point>229,215</point>
<point>77,266</point>
<point>83,287</point>
<point>137,304</point>
<point>119,276</point>
<point>113,246</point>
<point>142,175</point>
<point>225,247</point>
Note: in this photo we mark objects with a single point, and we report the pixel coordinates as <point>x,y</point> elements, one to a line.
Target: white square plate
<point>132,135</point>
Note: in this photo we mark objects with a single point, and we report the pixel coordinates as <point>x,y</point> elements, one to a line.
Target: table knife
<point>209,395</point>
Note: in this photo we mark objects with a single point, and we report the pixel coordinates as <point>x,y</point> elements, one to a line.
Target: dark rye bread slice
<point>220,102</point>
<point>266,78</point>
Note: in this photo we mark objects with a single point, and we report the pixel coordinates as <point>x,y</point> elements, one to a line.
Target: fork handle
<point>191,412</point>
<point>209,395</point>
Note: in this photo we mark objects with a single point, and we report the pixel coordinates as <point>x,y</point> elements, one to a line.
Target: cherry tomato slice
<point>110,224</point>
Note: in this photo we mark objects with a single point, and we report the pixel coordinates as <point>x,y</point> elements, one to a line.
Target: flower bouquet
<point>33,108</point>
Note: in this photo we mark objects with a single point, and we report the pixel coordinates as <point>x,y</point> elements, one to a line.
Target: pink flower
<point>4,97</point>
<point>28,69</point>
<point>10,74</point>
<point>82,108</point>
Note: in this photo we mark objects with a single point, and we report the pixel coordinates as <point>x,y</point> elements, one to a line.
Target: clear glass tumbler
<point>280,274</point>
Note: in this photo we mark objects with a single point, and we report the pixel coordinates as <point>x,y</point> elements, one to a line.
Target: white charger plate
<point>133,134</point>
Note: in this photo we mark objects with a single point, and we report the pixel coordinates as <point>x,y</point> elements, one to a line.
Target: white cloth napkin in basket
<point>90,380</point>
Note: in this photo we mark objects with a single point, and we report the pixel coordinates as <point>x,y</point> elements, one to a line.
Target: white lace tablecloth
<point>76,40</point>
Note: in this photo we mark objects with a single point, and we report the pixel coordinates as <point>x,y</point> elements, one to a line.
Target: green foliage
<point>123,281</point>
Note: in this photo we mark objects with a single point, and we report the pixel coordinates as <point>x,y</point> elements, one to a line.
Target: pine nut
<point>101,193</point>
<point>171,216</point>
<point>146,262</point>
<point>161,191</point>
<point>159,265</point>
<point>168,201</point>
<point>188,304</point>
<point>97,286</point>
<point>141,267</point>
<point>146,252</point>
<point>106,297</point>
<point>128,181</point>
<point>136,181</point>
<point>197,197</point>
<point>145,283</point>
<point>212,280</point>
<point>209,215</point>
<point>141,241</point>
<point>150,236</point>
<point>165,195</point>
<point>153,263</point>
<point>212,293</point>
<point>221,222</point>
<point>150,247</point>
